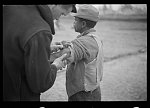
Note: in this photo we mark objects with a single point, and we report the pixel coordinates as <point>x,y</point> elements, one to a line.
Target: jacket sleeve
<point>40,74</point>
<point>84,47</point>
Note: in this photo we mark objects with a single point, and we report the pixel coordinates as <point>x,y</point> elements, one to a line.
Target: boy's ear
<point>83,24</point>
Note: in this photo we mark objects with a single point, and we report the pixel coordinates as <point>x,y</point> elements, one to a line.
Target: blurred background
<point>123,30</point>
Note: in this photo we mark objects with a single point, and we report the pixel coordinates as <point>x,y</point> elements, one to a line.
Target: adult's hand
<point>55,55</point>
<point>56,47</point>
<point>59,62</point>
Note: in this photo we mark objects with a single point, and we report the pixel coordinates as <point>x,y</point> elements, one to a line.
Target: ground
<point>125,66</point>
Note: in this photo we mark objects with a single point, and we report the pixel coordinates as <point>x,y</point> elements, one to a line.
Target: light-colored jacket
<point>85,72</point>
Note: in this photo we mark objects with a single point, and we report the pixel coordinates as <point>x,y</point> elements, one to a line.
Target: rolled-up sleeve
<point>39,73</point>
<point>84,47</point>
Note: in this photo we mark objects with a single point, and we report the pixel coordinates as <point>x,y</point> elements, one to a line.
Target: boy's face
<point>77,25</point>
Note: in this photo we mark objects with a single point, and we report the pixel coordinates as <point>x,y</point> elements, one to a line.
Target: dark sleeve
<point>40,74</point>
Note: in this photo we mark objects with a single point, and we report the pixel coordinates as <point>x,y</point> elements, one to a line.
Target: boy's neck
<point>84,30</point>
<point>88,31</point>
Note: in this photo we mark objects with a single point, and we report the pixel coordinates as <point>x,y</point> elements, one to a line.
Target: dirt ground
<point>125,66</point>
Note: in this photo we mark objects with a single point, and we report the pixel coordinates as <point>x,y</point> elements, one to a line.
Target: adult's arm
<point>40,74</point>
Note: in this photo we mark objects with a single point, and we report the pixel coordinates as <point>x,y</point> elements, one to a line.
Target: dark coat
<point>27,35</point>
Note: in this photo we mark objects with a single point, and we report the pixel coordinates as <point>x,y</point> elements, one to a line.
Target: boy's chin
<point>76,30</point>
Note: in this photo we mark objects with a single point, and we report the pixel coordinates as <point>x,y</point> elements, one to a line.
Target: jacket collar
<point>86,32</point>
<point>47,16</point>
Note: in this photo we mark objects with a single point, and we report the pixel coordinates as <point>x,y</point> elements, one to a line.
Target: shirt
<point>85,50</point>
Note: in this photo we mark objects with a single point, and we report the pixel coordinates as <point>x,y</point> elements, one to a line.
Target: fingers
<point>63,56</point>
<point>57,43</point>
<point>59,62</point>
<point>64,63</point>
<point>60,45</point>
<point>63,42</point>
<point>55,48</point>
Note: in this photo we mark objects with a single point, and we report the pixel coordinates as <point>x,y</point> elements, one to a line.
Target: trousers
<point>94,95</point>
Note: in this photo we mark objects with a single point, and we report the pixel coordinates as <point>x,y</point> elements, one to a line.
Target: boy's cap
<point>87,12</point>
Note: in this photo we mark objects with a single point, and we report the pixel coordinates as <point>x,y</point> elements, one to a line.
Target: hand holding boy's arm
<point>59,62</point>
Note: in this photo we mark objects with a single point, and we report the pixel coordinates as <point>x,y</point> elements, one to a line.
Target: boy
<point>85,57</point>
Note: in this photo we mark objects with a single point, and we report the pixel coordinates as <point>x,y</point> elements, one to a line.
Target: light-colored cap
<point>88,12</point>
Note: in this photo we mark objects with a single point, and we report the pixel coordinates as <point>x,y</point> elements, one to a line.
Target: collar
<point>86,32</point>
<point>47,16</point>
